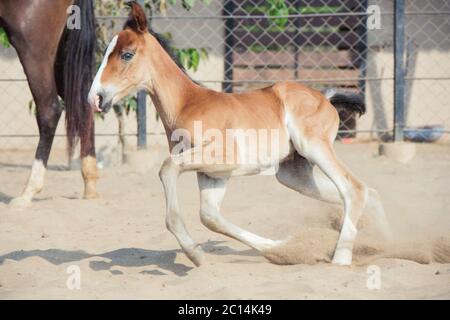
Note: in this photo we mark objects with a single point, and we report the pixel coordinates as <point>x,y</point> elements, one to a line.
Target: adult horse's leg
<point>48,115</point>
<point>78,64</point>
<point>87,140</point>
<point>89,165</point>
<point>40,77</point>
<point>37,54</point>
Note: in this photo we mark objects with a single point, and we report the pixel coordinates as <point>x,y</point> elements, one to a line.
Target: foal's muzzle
<point>102,104</point>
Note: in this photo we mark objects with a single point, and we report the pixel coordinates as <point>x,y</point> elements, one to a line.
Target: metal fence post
<point>142,115</point>
<point>142,120</point>
<point>229,7</point>
<point>298,26</point>
<point>362,49</point>
<point>399,66</point>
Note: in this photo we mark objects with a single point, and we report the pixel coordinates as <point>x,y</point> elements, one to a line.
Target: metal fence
<point>395,53</point>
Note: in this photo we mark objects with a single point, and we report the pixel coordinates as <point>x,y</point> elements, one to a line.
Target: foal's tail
<point>76,57</point>
<point>348,101</point>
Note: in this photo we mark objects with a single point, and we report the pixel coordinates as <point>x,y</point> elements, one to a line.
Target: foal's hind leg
<point>353,192</point>
<point>212,192</point>
<point>297,173</point>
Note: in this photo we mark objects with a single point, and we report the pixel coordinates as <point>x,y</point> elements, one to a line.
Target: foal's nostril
<point>100,102</point>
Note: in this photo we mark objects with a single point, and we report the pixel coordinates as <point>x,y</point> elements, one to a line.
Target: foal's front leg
<point>168,174</point>
<point>212,191</point>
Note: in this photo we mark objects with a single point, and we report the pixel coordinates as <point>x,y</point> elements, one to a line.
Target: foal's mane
<point>167,45</point>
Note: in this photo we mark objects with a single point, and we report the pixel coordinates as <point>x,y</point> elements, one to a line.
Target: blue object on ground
<point>424,134</point>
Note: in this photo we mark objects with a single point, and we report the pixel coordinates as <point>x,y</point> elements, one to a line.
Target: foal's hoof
<point>20,203</point>
<point>195,255</point>
<point>342,257</point>
<point>91,195</point>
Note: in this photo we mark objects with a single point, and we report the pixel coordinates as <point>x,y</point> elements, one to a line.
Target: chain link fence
<point>326,44</point>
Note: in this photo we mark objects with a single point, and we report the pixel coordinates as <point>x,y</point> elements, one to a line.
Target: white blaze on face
<point>97,85</point>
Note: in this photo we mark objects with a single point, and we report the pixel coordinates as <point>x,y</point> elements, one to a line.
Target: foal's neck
<point>169,86</point>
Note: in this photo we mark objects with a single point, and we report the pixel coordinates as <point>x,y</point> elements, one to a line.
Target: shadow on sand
<point>127,257</point>
<point>4,198</point>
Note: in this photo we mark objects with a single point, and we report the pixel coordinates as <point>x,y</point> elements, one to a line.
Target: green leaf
<point>204,54</point>
<point>278,8</point>
<point>188,4</point>
<point>195,59</point>
<point>4,38</point>
<point>184,57</point>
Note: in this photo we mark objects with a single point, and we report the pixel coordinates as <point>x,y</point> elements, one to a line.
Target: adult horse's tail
<point>77,59</point>
<point>348,101</point>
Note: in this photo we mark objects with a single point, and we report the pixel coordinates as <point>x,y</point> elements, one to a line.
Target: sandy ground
<point>120,245</point>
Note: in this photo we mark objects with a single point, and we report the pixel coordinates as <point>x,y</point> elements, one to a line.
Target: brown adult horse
<point>57,61</point>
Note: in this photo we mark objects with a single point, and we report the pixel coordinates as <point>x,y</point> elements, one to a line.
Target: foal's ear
<point>137,19</point>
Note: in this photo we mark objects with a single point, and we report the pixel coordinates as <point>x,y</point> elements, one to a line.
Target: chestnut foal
<point>305,121</point>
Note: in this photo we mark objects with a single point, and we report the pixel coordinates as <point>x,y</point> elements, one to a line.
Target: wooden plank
<point>265,58</point>
<point>338,59</point>
<point>263,74</point>
<point>323,76</point>
<point>341,40</point>
<point>349,22</point>
<point>347,4</point>
<point>335,59</point>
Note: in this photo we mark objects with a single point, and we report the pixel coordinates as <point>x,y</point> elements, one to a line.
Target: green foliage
<point>278,8</point>
<point>188,4</point>
<point>130,105</point>
<point>264,8</point>
<point>190,57</point>
<point>4,41</point>
<point>162,5</point>
<point>321,9</point>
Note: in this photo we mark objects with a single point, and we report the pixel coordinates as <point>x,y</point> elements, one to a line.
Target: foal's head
<point>123,70</point>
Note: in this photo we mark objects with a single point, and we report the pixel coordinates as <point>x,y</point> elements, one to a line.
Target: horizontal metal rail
<point>297,80</point>
<point>29,136</point>
<point>324,80</point>
<point>288,16</point>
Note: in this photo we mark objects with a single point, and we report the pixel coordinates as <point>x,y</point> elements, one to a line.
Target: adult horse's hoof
<point>20,203</point>
<point>342,257</point>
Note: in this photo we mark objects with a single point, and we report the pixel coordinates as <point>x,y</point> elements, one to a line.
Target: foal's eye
<point>127,56</point>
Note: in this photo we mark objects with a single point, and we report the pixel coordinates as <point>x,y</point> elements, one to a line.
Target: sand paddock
<point>123,250</point>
